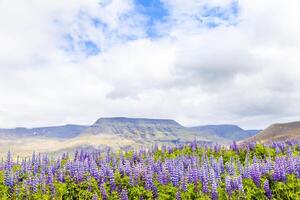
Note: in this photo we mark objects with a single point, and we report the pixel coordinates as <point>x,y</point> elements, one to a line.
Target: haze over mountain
<point>278,132</point>
<point>140,130</point>
<point>135,126</point>
<point>65,132</point>
<point>228,131</point>
<point>122,132</point>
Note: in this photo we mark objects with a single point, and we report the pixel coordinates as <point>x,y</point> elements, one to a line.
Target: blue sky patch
<point>155,12</point>
<point>154,9</point>
<point>215,16</point>
<point>90,48</point>
<point>68,46</point>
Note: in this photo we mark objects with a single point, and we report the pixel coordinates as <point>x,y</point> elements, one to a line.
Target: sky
<point>196,61</point>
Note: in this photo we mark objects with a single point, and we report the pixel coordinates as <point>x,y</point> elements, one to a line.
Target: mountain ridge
<point>136,120</point>
<point>277,132</point>
<point>232,132</point>
<point>138,129</point>
<point>60,131</point>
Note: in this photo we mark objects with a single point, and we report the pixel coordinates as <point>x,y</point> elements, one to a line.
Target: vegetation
<point>191,171</point>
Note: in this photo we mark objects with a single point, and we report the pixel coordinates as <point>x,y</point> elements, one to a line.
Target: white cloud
<point>245,73</point>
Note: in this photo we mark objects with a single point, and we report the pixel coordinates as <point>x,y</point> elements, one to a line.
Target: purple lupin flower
<point>290,165</point>
<point>9,179</point>
<point>255,174</point>
<point>218,174</point>
<point>166,177</point>
<point>127,168</point>
<point>204,185</point>
<point>234,147</point>
<point>174,175</point>
<point>239,167</point>
<point>112,182</point>
<point>267,189</point>
<point>212,175</point>
<point>8,173</point>
<point>50,183</point>
<point>131,180</point>
<point>154,192</point>
<point>42,182</point>
<point>230,168</point>
<point>35,168</point>
<point>95,197</point>
<point>8,162</point>
<point>102,177</point>
<point>279,170</point>
<point>289,152</point>
<point>228,185</point>
<point>160,177</point>
<point>297,166</point>
<point>251,145</point>
<point>221,164</point>
<point>17,177</point>
<point>124,195</point>
<point>178,195</point>
<point>94,170</point>
<point>148,181</point>
<point>278,151</point>
<point>60,176</point>
<point>184,186</point>
<point>214,192</point>
<point>103,192</point>
<point>76,155</point>
<point>34,184</point>
<point>268,165</point>
<point>246,172</point>
<point>254,159</point>
<point>240,184</point>
<point>194,175</point>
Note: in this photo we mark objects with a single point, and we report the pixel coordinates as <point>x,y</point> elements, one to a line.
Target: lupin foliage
<point>190,171</point>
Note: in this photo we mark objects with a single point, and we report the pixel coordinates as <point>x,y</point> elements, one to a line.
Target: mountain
<point>166,130</point>
<point>278,132</point>
<point>115,132</point>
<point>141,129</point>
<point>226,131</point>
<point>64,132</point>
<point>138,129</point>
<point>135,126</point>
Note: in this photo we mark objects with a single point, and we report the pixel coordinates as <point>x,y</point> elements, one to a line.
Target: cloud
<point>198,62</point>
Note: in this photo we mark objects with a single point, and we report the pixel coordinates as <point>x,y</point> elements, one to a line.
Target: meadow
<point>183,171</point>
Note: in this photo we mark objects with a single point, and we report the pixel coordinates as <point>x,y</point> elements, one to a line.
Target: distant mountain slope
<point>116,132</point>
<point>140,129</point>
<point>227,131</point>
<point>167,130</point>
<point>135,126</point>
<point>65,132</point>
<point>276,132</point>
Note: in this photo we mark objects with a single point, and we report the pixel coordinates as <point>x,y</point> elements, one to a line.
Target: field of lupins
<point>191,171</point>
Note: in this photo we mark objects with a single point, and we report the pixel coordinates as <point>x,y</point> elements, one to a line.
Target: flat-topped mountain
<point>120,125</point>
<point>137,129</point>
<point>122,132</point>
<point>168,130</point>
<point>140,121</point>
<point>115,132</point>
<point>123,125</point>
<point>278,132</point>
